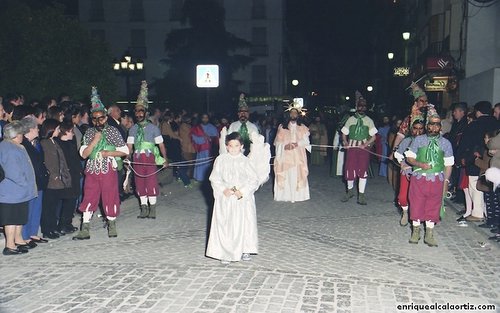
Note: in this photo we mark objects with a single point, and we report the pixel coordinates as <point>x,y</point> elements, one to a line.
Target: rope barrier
<point>175,164</point>
<point>354,147</point>
<point>207,160</point>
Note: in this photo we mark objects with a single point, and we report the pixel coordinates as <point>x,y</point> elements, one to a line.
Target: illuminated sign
<point>265,99</point>
<point>436,84</point>
<point>207,76</point>
<point>401,71</point>
<point>299,102</point>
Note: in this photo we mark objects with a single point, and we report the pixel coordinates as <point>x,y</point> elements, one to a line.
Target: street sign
<point>299,102</point>
<point>207,76</point>
<point>436,84</point>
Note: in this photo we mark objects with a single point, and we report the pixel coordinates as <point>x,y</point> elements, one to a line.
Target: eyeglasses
<point>99,118</point>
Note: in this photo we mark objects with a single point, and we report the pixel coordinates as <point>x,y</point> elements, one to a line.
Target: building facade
<point>141,27</point>
<point>482,55</point>
<point>455,49</point>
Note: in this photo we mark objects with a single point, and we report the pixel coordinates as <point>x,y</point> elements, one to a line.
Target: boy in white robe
<point>233,232</point>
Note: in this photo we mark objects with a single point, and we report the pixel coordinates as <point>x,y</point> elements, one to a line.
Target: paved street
<point>317,256</point>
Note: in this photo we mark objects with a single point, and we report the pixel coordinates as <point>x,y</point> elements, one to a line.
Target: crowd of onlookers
<point>474,136</point>
<point>50,134</point>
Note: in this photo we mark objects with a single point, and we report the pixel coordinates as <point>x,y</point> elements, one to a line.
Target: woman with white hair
<point>16,189</point>
<point>35,152</point>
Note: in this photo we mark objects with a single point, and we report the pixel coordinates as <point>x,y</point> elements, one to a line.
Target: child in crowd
<point>233,232</point>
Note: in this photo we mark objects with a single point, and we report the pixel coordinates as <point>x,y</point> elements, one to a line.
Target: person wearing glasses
<point>431,157</point>
<point>243,125</point>
<point>145,139</point>
<point>103,146</point>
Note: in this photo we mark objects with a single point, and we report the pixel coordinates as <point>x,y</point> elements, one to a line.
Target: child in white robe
<point>233,232</point>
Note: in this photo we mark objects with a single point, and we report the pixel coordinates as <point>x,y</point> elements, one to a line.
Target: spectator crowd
<point>42,173</point>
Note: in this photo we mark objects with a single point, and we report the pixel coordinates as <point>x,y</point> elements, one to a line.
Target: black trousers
<point>57,210</point>
<point>50,203</point>
<point>66,214</point>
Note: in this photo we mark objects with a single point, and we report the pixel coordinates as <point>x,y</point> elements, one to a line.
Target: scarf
<point>432,153</point>
<point>244,135</point>
<point>100,145</point>
<point>358,130</point>
<point>139,138</point>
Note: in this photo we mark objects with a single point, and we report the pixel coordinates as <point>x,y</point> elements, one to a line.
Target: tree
<point>43,52</point>
<point>206,41</point>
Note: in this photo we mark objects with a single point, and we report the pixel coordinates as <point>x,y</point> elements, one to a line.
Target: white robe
<point>234,222</point>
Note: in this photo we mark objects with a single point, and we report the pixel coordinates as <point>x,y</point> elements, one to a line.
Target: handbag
<point>484,185</point>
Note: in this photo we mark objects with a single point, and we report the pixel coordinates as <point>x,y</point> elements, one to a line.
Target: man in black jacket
<point>114,119</point>
<point>473,141</point>
<point>459,112</point>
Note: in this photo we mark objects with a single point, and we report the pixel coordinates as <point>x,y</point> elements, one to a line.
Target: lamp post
<point>369,88</point>
<point>295,88</point>
<point>127,67</point>
<point>406,37</point>
<point>390,55</point>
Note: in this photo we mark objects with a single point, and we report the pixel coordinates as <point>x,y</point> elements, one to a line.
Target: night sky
<point>336,46</point>
<point>341,40</point>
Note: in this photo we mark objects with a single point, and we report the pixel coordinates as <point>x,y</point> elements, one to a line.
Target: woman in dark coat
<point>69,195</point>
<point>59,178</point>
<point>35,152</point>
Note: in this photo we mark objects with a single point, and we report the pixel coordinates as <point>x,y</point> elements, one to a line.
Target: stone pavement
<point>316,256</point>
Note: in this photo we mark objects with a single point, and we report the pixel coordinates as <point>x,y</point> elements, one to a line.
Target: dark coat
<point>74,165</point>
<point>59,175</point>
<point>121,129</point>
<point>456,132</point>
<point>37,160</point>
<point>473,141</point>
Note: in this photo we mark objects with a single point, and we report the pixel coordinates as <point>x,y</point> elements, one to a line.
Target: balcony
<point>438,48</point>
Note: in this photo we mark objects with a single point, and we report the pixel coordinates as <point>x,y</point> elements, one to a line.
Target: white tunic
<point>234,222</point>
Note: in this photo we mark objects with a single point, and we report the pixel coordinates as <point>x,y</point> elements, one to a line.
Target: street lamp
<point>406,37</point>
<point>127,66</point>
<point>369,88</point>
<point>295,82</point>
<point>347,98</point>
<point>390,55</point>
